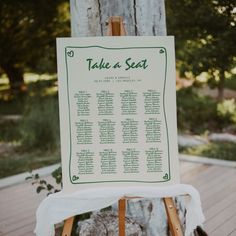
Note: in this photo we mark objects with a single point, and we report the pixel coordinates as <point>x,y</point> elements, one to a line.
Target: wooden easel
<point>116,28</point>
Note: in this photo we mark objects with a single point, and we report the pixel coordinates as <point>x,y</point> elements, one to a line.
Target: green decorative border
<point>70,53</point>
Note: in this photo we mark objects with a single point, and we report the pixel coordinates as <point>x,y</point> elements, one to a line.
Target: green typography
<point>128,64</point>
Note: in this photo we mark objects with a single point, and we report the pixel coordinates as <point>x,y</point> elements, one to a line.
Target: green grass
<point>15,163</point>
<point>231,83</point>
<point>32,141</point>
<point>37,133</point>
<point>191,112</point>
<point>217,150</point>
<point>45,85</point>
<point>12,106</point>
<point>9,131</point>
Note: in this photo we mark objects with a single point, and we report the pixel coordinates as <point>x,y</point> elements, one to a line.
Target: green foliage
<point>227,110</point>
<point>196,113</point>
<point>205,40</point>
<point>28,35</point>
<point>32,141</point>
<point>223,150</point>
<point>57,175</point>
<point>231,82</point>
<point>42,185</point>
<point>16,161</point>
<point>9,131</point>
<point>11,106</point>
<point>10,114</point>
<point>40,125</point>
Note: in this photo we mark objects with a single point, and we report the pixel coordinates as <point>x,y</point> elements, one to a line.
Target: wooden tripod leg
<point>68,226</point>
<point>173,218</point>
<point>121,212</point>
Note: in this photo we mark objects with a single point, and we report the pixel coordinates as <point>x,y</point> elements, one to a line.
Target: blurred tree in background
<point>205,33</point>
<point>27,37</point>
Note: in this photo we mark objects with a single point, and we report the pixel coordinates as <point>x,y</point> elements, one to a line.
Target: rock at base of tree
<point>151,214</point>
<point>146,217</point>
<point>106,224</point>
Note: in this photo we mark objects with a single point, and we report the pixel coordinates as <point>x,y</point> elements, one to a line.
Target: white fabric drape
<point>60,206</point>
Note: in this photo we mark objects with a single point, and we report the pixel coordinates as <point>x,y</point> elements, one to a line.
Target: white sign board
<point>117,111</point>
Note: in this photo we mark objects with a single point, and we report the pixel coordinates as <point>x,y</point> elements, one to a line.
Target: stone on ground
<point>190,140</point>
<point>106,224</point>
<point>222,137</point>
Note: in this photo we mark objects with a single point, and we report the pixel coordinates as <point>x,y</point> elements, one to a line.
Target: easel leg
<point>121,212</point>
<point>173,218</point>
<point>68,226</point>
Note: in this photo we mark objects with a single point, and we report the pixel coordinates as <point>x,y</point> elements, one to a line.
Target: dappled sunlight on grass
<point>3,80</point>
<point>28,78</point>
<point>4,84</point>
<point>32,141</point>
<point>51,91</point>
<point>4,87</point>
<point>46,84</point>
<point>31,77</point>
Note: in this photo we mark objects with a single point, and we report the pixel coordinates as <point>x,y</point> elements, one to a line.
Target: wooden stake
<point>68,226</point>
<point>173,218</point>
<point>116,26</point>
<point>121,212</point>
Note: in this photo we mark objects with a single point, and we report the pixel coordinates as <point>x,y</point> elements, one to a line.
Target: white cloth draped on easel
<point>60,206</point>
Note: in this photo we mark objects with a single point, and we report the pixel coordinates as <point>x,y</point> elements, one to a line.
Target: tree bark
<point>15,76</point>
<point>89,18</point>
<point>221,86</point>
<point>106,223</point>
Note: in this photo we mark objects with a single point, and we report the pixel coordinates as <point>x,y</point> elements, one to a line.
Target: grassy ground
<point>14,162</point>
<point>231,83</point>
<point>9,131</point>
<point>27,143</point>
<point>32,140</point>
<point>224,150</point>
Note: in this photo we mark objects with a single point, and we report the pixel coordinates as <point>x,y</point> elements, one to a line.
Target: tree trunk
<point>89,18</point>
<point>221,86</point>
<point>15,76</point>
<point>106,223</point>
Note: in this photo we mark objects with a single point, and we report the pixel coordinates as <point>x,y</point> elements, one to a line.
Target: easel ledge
<point>116,28</point>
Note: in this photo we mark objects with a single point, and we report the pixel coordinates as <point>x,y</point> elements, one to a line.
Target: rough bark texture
<point>143,218</point>
<point>106,224</point>
<point>151,214</point>
<point>85,18</point>
<point>122,8</point>
<point>89,17</point>
<point>150,17</point>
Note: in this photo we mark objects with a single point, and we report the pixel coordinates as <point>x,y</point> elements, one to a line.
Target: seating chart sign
<point>117,103</point>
